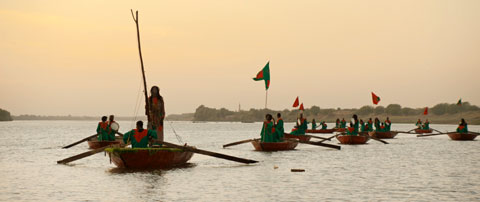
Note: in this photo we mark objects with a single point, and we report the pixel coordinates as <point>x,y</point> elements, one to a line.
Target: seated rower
<point>301,126</point>
<point>377,125</point>
<point>369,127</point>
<point>353,129</point>
<point>426,125</point>
<point>419,124</point>
<point>139,137</point>
<point>462,127</point>
<point>111,132</point>
<point>362,126</point>
<point>314,124</point>
<point>388,124</point>
<point>337,124</point>
<point>324,125</point>
<point>343,123</point>
<point>268,129</point>
<point>383,128</point>
<point>102,130</point>
<point>279,130</point>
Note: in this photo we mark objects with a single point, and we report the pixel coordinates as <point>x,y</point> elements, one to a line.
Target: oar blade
<point>84,154</point>
<point>239,142</point>
<point>78,142</point>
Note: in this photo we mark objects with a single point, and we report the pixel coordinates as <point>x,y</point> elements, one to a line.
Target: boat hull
<point>421,131</point>
<point>301,138</point>
<point>321,131</point>
<point>340,130</point>
<point>274,146</point>
<point>353,139</point>
<point>148,158</point>
<point>462,136</point>
<point>383,135</point>
<point>95,144</point>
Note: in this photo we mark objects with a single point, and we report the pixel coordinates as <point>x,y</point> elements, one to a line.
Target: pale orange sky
<point>81,58</point>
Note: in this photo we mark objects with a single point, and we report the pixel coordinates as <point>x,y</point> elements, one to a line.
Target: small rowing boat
<point>421,131</point>
<point>353,139</point>
<point>383,135</point>
<point>274,146</point>
<point>301,138</point>
<point>462,136</point>
<point>321,131</point>
<point>148,158</point>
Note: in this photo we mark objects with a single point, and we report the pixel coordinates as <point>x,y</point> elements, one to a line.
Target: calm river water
<point>407,169</point>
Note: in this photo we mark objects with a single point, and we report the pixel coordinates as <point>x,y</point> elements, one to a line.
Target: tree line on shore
<point>5,115</point>
<point>203,113</point>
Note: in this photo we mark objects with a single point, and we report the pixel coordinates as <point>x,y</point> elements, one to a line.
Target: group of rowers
<point>139,137</point>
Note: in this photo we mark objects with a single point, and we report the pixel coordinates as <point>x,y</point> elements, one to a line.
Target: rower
<point>369,125</point>
<point>268,129</point>
<point>343,123</point>
<point>462,127</point>
<point>353,129</point>
<point>102,129</point>
<point>139,137</point>
<point>362,126</point>
<point>388,124</point>
<point>426,125</point>
<point>377,125</point>
<point>419,124</point>
<point>324,125</point>
<point>111,132</point>
<point>337,124</point>
<point>279,127</point>
<point>314,124</point>
<point>301,126</point>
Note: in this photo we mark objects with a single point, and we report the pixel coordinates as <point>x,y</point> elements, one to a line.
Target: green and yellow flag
<point>264,75</point>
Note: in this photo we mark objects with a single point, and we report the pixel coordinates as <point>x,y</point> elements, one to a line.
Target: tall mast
<point>147,109</point>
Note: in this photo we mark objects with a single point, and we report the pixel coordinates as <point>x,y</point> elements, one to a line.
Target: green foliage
<point>379,110</point>
<point>365,110</point>
<point>5,115</point>
<point>393,109</point>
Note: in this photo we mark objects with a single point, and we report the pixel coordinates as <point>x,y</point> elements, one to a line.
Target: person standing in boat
<point>139,137</point>
<point>324,125</point>
<point>157,112</point>
<point>377,125</point>
<point>102,129</point>
<point>111,132</point>
<point>462,127</point>
<point>419,124</point>
<point>370,125</point>
<point>279,130</point>
<point>314,124</point>
<point>301,126</point>
<point>343,123</point>
<point>388,124</point>
<point>337,124</point>
<point>426,125</point>
<point>353,129</point>
<point>268,129</point>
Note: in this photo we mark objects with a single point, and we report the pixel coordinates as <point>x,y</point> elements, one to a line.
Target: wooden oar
<point>84,154</point>
<point>314,143</point>
<point>240,142</point>
<point>329,138</point>
<point>80,141</point>
<point>208,153</point>
<point>406,132</point>
<point>433,134</point>
<point>437,130</point>
<point>312,136</point>
<point>474,132</point>
<point>411,130</point>
<point>382,141</point>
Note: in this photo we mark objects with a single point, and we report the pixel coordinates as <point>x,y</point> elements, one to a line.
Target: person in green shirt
<point>111,132</point>
<point>426,125</point>
<point>462,127</point>
<point>343,123</point>
<point>353,129</point>
<point>388,125</point>
<point>419,124</point>
<point>337,124</point>
<point>102,130</point>
<point>301,126</point>
<point>377,125</point>
<point>139,137</point>
<point>369,127</point>
<point>324,125</point>
<point>362,126</point>
<point>279,130</point>
<point>268,129</point>
<point>314,124</point>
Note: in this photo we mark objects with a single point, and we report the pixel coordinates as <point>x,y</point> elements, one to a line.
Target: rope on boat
<point>179,138</point>
<point>137,105</point>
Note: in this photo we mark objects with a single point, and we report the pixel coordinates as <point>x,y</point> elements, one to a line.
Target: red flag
<point>425,112</point>
<point>375,98</point>
<point>301,107</point>
<point>295,104</point>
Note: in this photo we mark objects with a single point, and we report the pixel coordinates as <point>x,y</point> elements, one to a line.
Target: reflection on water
<point>409,168</point>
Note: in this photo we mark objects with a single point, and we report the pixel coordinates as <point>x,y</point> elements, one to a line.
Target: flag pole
<point>266,98</point>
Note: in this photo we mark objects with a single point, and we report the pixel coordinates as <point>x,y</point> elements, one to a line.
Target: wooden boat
<point>274,146</point>
<point>383,135</point>
<point>148,158</point>
<point>340,130</point>
<point>353,139</point>
<point>421,131</point>
<point>321,131</point>
<point>462,136</point>
<point>93,143</point>
<point>301,138</point>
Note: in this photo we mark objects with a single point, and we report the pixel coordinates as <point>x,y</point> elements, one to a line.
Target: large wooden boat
<point>148,158</point>
<point>383,135</point>
<point>93,143</point>
<point>274,146</point>
<point>421,131</point>
<point>462,136</point>
<point>301,138</point>
<point>321,131</point>
<point>353,139</point>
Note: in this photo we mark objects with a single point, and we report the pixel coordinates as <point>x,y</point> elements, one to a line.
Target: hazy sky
<point>81,58</point>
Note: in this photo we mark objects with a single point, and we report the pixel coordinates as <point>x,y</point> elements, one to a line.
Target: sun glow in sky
<point>81,57</point>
